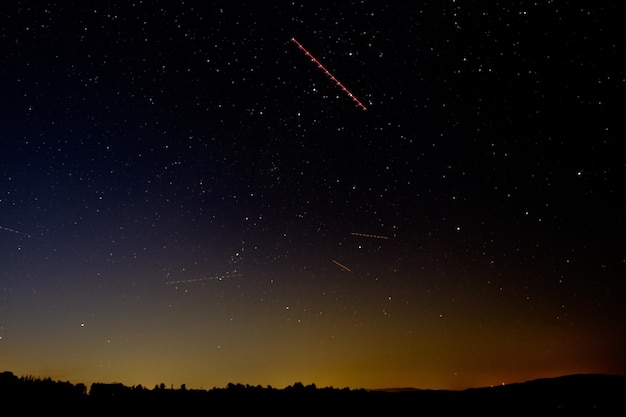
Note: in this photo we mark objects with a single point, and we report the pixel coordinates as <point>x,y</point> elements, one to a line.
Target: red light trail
<point>331,76</point>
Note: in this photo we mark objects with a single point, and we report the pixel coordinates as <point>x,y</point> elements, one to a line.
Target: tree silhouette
<point>597,393</point>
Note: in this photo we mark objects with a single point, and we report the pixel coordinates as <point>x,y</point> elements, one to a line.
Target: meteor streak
<point>342,266</point>
<point>331,76</point>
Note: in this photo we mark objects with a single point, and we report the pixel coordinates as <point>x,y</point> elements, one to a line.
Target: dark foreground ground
<point>568,395</point>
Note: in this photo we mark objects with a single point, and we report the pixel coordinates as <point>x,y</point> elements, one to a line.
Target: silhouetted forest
<point>567,395</point>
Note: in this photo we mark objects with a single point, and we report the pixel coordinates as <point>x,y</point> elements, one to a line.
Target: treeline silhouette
<point>568,395</point>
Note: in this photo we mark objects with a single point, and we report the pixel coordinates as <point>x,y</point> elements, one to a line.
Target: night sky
<point>187,198</point>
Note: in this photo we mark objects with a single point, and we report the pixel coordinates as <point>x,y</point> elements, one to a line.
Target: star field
<point>185,197</point>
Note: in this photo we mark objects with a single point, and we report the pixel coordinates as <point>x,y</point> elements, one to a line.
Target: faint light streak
<point>211,278</point>
<point>369,235</point>
<point>342,266</point>
<point>17,232</point>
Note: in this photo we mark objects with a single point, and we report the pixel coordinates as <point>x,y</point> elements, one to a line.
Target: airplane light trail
<point>17,232</point>
<point>368,235</point>
<point>342,266</point>
<point>331,76</point>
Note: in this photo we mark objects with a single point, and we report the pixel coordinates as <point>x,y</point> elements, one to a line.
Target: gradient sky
<point>186,198</point>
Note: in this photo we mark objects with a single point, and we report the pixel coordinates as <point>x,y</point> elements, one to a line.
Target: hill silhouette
<point>587,394</point>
